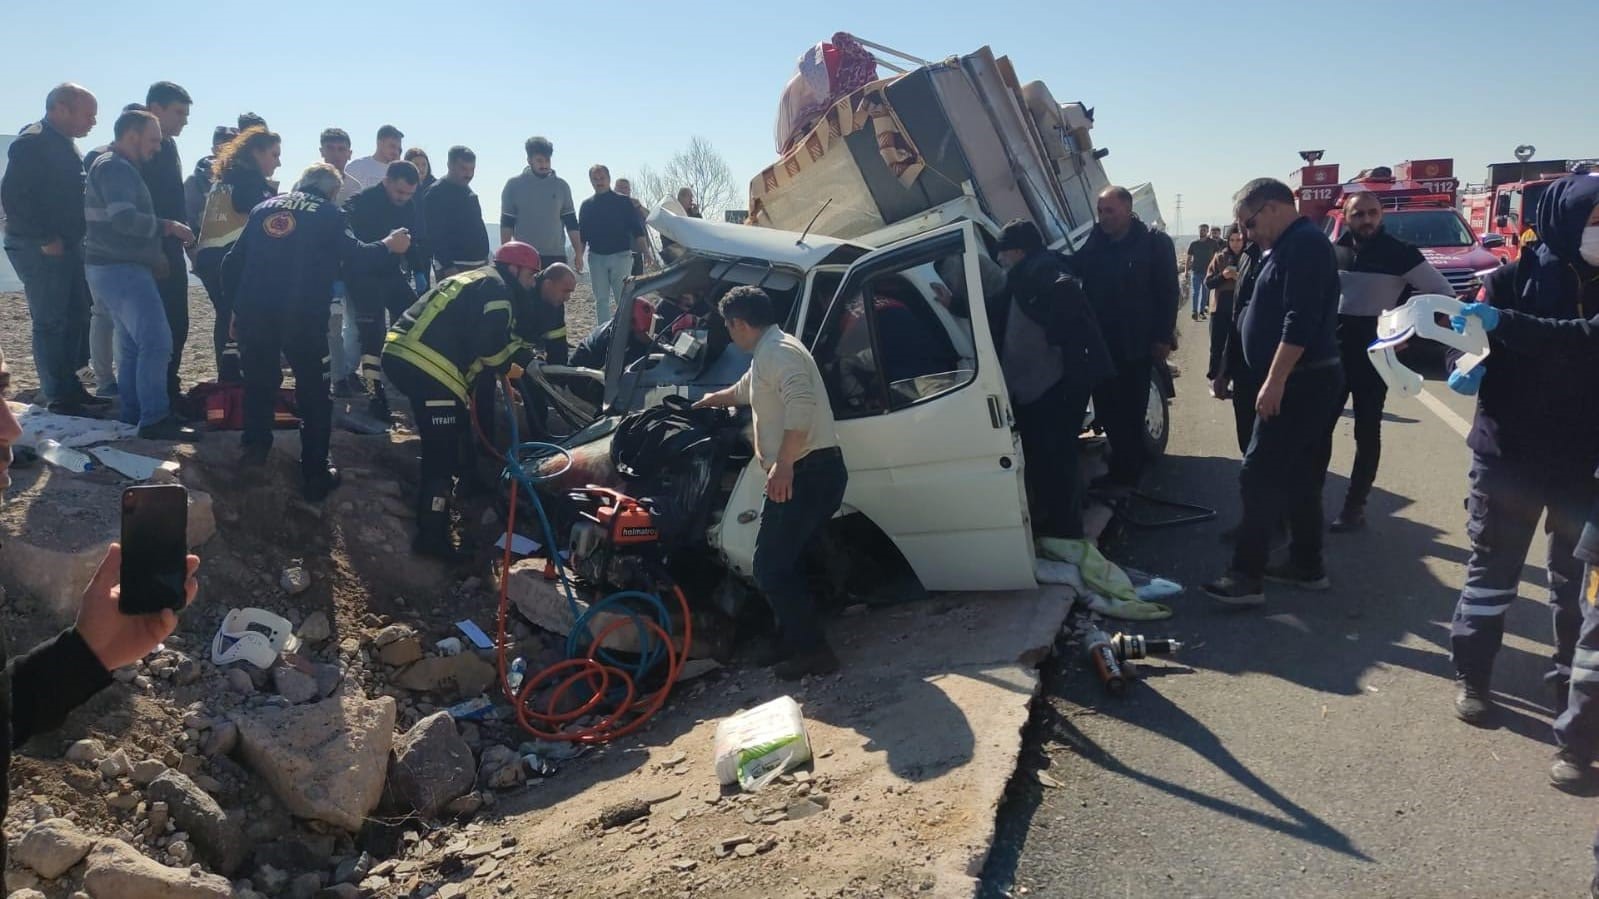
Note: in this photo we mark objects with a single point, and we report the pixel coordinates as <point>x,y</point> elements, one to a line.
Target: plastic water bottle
<point>66,457</point>
<point>518,672</point>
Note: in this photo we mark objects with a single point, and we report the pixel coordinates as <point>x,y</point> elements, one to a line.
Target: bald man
<point>42,195</point>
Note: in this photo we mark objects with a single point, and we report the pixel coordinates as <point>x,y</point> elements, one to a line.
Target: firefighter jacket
<point>291,250</point>
<point>460,329</point>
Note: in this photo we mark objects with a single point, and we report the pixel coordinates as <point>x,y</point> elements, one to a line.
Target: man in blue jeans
<point>123,260</point>
<point>614,235</point>
<point>1200,252</point>
<point>42,197</point>
<point>805,474</point>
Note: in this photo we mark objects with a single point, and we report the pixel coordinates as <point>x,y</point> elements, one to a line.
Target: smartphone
<point>155,548</point>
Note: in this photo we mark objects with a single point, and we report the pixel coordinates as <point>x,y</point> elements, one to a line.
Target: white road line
<point>1448,415</point>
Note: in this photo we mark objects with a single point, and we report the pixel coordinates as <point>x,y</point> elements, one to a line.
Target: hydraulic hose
<point>614,686</point>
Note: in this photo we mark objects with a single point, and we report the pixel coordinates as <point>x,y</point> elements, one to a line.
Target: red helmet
<point>516,252</point>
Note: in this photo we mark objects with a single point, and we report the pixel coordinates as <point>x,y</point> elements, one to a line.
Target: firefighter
<point>280,273</point>
<point>1535,444</point>
<point>459,330</point>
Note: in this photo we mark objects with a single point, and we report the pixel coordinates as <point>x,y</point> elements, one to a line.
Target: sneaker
<point>1237,590</point>
<point>170,428</point>
<point>1473,704</point>
<point>1352,518</point>
<point>818,661</point>
<point>316,489</point>
<point>1298,576</point>
<point>104,396</point>
<point>1570,774</point>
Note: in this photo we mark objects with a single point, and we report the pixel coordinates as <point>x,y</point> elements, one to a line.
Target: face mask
<point>1590,245</point>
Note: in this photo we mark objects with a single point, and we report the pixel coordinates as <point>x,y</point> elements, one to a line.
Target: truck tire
<point>1157,416</point>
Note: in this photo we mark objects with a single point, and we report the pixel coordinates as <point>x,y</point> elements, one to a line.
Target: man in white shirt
<point>805,475</point>
<point>369,170</point>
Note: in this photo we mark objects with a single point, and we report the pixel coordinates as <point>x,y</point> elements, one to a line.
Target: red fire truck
<point>1418,199</point>
<point>1507,203</point>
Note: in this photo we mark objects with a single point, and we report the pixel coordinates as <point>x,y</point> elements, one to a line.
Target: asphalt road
<point>1307,748</point>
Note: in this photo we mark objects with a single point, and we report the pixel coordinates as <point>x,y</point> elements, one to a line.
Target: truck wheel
<point>1157,419</point>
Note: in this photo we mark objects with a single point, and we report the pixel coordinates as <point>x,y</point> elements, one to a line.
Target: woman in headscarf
<point>1534,443</point>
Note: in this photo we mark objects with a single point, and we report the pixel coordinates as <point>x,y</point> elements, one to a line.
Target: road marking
<point>1448,415</point>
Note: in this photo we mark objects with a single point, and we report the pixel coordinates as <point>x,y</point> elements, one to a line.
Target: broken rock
<point>316,627</point>
<point>222,739</point>
<point>294,685</point>
<point>219,838</point>
<point>432,765</point>
<point>86,752</point>
<point>500,768</point>
<point>623,813</point>
<point>326,761</point>
<point>457,676</point>
<point>52,847</point>
<point>117,871</point>
<point>397,645</point>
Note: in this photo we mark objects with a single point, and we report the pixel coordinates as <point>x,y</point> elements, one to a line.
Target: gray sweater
<point>123,227</point>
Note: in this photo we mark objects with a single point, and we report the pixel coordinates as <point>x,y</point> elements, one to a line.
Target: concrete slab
<point>916,738</point>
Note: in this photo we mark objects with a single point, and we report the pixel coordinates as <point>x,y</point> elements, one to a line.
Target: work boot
<point>317,488</point>
<point>1236,589</point>
<point>1570,774</point>
<point>1473,703</point>
<point>254,456</point>
<point>819,662</point>
<point>433,539</point>
<point>1299,576</point>
<point>1352,518</point>
<point>170,428</point>
<point>75,409</point>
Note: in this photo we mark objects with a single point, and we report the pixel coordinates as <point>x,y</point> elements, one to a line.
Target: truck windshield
<point>1428,227</point>
<point>1530,196</point>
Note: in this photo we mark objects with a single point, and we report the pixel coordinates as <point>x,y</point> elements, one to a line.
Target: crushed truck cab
<point>901,336</point>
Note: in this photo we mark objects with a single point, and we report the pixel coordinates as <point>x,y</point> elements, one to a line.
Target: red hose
<point>628,715</point>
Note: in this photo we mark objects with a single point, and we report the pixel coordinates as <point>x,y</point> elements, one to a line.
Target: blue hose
<point>580,637</point>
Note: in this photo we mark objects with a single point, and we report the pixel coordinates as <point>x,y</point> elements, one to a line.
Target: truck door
<point>923,416</point>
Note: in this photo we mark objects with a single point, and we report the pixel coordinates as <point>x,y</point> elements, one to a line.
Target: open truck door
<point>923,416</point>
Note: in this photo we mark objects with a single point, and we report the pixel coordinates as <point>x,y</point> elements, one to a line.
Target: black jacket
<point>1538,402</point>
<point>1132,286</point>
<point>163,176</point>
<point>292,250</point>
<point>373,215</point>
<point>457,236</point>
<point>1234,368</point>
<point>42,192</point>
<point>1044,290</point>
<point>40,687</point>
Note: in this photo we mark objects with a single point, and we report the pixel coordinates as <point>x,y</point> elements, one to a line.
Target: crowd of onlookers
<point>104,243</point>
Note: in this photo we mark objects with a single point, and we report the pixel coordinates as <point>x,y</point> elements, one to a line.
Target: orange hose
<point>548,724</point>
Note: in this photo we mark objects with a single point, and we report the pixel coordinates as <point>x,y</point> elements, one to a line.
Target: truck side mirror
<point>1502,221</point>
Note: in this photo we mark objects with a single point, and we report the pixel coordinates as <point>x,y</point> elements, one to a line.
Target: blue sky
<point>1195,97</point>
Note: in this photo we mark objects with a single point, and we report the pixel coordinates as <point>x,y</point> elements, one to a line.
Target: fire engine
<point>1418,200</point>
<point>1507,203</point>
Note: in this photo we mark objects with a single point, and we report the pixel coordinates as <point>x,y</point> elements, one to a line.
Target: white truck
<point>887,287</point>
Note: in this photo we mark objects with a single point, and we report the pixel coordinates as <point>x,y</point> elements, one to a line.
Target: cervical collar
<point>254,635</point>
<point>1419,318</point>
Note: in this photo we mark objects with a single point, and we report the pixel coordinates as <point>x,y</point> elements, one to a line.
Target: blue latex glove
<point>1466,384</point>
<point>1488,315</point>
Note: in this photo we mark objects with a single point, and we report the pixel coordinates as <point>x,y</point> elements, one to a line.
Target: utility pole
<point>1177,229</point>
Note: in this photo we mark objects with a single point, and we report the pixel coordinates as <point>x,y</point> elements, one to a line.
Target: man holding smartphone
<point>41,686</point>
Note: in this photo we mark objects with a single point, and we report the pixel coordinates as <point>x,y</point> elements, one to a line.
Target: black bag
<point>647,442</point>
